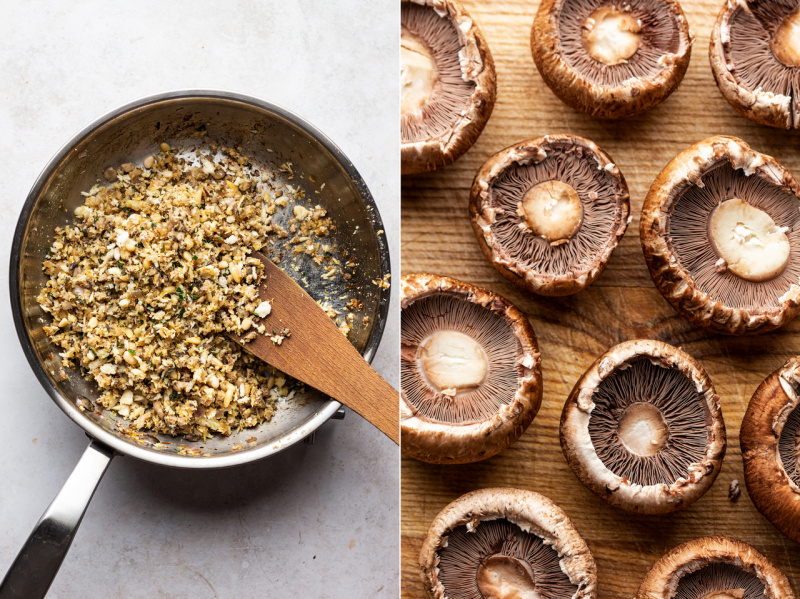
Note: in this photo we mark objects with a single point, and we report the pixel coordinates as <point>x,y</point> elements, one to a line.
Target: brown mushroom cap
<point>771,448</point>
<point>460,425</point>
<point>705,566</point>
<point>516,528</point>
<point>510,242</point>
<point>613,89</point>
<point>464,93</point>
<point>675,236</point>
<point>754,67</point>
<point>687,459</point>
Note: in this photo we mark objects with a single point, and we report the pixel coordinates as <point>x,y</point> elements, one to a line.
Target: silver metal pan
<point>271,136</point>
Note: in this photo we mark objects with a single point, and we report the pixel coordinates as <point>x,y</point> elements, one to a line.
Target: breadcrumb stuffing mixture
<point>152,274</point>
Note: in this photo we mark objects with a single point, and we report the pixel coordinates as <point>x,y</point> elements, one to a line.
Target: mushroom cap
<point>613,213</point>
<point>588,94</point>
<point>448,443</point>
<point>672,278</point>
<point>532,512</point>
<point>772,490</point>
<point>661,582</point>
<point>477,66</point>
<point>752,101</point>
<point>618,491</point>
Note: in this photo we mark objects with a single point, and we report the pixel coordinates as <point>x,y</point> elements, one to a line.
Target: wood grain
<point>622,304</point>
<point>317,353</point>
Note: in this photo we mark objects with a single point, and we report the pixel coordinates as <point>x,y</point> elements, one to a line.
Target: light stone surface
<point>315,521</point>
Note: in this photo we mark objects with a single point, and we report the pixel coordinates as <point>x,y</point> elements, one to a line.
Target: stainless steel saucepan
<point>271,136</point>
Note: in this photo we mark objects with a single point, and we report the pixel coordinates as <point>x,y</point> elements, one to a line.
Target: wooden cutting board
<point>622,304</point>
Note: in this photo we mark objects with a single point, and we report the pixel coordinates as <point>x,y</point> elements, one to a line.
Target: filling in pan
<point>154,271</point>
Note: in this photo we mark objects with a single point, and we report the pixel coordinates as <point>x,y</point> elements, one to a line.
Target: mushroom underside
<point>658,29</point>
<point>789,446</point>
<point>752,55</point>
<point>431,315</point>
<point>720,580</point>
<point>621,431</point>
<point>688,236</point>
<point>530,568</point>
<point>600,195</point>
<point>451,92</point>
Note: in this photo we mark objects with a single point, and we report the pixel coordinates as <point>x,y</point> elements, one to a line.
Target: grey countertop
<point>314,521</point>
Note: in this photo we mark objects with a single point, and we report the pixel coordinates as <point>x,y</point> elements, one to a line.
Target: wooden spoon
<point>318,354</point>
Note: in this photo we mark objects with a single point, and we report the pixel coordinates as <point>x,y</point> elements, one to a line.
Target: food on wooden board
<point>505,544</point>
<point>770,441</point>
<point>548,212</point>
<point>470,371</point>
<point>608,59</point>
<point>714,568</point>
<point>642,428</point>
<point>448,84</point>
<point>754,53</point>
<point>720,231</point>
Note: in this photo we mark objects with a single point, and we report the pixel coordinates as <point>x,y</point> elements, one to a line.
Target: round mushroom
<point>470,369</point>
<point>642,428</point>
<point>720,231</point>
<point>506,544</point>
<point>770,441</point>
<point>548,212</point>
<point>448,83</point>
<point>755,52</point>
<point>611,59</point>
<point>714,568</point>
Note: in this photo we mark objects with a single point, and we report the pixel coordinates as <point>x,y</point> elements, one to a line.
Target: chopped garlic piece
<point>263,309</point>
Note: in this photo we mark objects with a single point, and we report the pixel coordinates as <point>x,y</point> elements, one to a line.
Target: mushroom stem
<point>453,362</point>
<point>642,429</point>
<point>748,240</point>
<point>553,210</point>
<point>611,36</point>
<point>505,577</point>
<point>418,73</point>
<point>726,594</point>
<point>786,41</point>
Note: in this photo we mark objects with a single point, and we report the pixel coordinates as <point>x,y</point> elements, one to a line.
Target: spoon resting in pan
<point>317,354</point>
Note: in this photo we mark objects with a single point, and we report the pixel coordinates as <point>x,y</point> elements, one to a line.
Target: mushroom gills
<point>417,73</point>
<point>458,361</point>
<point>436,41</point>
<point>762,51</point>
<point>551,209</point>
<point>453,362</point>
<point>610,46</point>
<point>642,429</point>
<point>566,170</point>
<point>789,446</point>
<point>786,41</point>
<point>642,404</point>
<point>499,560</point>
<point>749,242</point>
<point>611,36</point>
<point>720,580</point>
<point>690,231</point>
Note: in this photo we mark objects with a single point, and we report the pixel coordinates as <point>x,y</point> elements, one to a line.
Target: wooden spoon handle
<point>352,381</point>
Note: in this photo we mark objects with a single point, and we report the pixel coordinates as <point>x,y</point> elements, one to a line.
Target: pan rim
<point>129,448</point>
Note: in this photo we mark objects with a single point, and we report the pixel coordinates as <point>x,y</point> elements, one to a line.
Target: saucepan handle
<point>37,563</point>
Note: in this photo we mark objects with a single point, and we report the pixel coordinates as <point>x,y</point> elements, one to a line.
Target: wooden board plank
<point>573,331</point>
